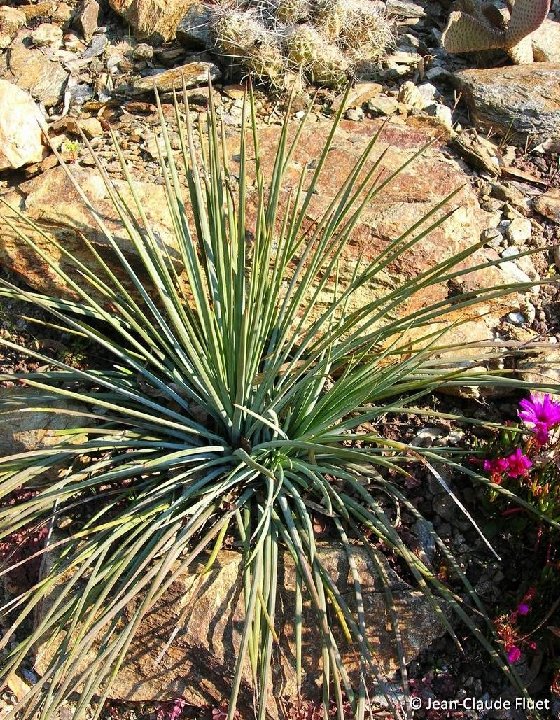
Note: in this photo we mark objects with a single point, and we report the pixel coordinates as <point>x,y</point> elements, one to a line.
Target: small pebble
<point>143,51</point>
<point>47,35</point>
<point>91,127</point>
<point>516,318</point>
<point>383,105</point>
<point>428,93</point>
<point>490,235</point>
<point>519,230</point>
<point>442,114</point>
<point>510,213</point>
<point>355,114</point>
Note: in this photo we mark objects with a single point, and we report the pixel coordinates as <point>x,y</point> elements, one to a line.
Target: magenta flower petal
<point>496,466</point>
<point>513,654</point>
<point>517,464</point>
<point>540,414</point>
<point>523,609</point>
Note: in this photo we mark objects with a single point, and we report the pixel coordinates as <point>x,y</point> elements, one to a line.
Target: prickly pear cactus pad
<point>466,32</point>
<point>526,16</point>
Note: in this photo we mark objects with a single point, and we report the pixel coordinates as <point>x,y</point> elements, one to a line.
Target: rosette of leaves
<point>229,406</point>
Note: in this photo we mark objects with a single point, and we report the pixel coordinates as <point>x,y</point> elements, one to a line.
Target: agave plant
<point>286,386</point>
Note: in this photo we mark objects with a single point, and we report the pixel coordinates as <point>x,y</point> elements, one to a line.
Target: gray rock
<point>96,47</point>
<point>194,29</point>
<point>428,93</point>
<point>520,100</point>
<point>545,42</point>
<point>428,436</point>
<point>424,531</point>
<point>510,194</point>
<point>402,62</point>
<point>491,235</point>
<point>477,151</point>
<point>356,114</point>
<point>31,70</point>
<point>405,9</point>
<point>410,96</point>
<point>47,35</point>
<point>516,318</point>
<point>524,263</point>
<point>515,272</point>
<point>442,114</point>
<point>445,507</point>
<point>80,93</point>
<point>143,51</point>
<point>86,18</point>
<point>437,72</point>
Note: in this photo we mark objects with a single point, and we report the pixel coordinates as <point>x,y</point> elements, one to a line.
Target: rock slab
<point>20,128</point>
<point>209,614</point>
<point>519,100</point>
<point>32,70</point>
<point>31,420</point>
<point>166,81</point>
<point>548,204</point>
<point>152,17</point>
<point>53,203</point>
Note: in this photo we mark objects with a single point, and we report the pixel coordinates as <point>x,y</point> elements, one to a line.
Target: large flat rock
<point>422,185</point>
<point>518,100</point>
<point>32,420</point>
<point>53,203</point>
<point>200,659</point>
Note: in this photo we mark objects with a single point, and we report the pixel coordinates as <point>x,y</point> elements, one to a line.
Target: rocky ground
<point>87,71</point>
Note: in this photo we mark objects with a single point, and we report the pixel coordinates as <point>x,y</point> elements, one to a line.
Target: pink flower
<point>540,414</point>
<point>170,711</point>
<point>177,709</point>
<point>513,654</point>
<point>523,609</point>
<point>517,464</point>
<point>497,466</point>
